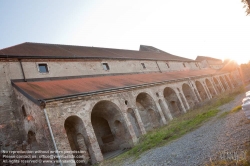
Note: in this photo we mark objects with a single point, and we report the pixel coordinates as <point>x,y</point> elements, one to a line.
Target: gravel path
<point>220,134</point>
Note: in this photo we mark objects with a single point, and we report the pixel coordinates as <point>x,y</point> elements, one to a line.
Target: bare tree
<point>246,5</point>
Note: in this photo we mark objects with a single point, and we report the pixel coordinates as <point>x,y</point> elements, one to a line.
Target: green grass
<point>177,127</point>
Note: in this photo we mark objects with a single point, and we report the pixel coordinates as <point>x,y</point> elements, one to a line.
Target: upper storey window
<point>184,65</point>
<point>143,65</point>
<point>43,68</point>
<point>105,66</point>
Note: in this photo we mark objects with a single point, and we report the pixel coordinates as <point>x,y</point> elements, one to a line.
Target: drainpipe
<point>51,133</point>
<point>21,65</point>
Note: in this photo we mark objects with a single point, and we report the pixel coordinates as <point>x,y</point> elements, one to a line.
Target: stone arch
<point>210,87</point>
<point>148,111</point>
<point>109,127</point>
<point>173,101</point>
<point>201,90</point>
<point>217,85</point>
<point>223,83</point>
<point>75,132</point>
<point>134,122</point>
<point>189,94</point>
<point>228,82</point>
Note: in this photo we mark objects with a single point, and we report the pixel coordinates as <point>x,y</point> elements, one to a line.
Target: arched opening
<point>217,85</point>
<point>147,110</point>
<point>223,83</point>
<point>134,122</point>
<point>109,127</point>
<point>75,132</point>
<point>201,90</point>
<point>210,87</point>
<point>172,101</point>
<point>189,94</point>
<point>228,82</point>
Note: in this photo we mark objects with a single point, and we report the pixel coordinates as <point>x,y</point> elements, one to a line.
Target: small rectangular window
<point>105,66</point>
<point>143,65</point>
<point>184,65</point>
<point>24,111</point>
<point>43,68</point>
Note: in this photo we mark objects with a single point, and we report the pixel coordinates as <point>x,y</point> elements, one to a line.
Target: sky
<point>215,28</point>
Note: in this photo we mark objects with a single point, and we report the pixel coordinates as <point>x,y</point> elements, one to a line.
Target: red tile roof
<point>200,58</point>
<point>69,51</point>
<point>58,88</point>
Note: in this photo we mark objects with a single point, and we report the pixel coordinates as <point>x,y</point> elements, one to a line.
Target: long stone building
<point>98,100</point>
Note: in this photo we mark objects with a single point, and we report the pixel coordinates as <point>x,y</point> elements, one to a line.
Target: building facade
<point>97,100</point>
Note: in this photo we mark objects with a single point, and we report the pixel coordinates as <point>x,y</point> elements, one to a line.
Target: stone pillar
<point>160,112</point>
<point>207,90</point>
<point>138,118</point>
<point>196,97</point>
<point>94,148</point>
<point>231,82</point>
<point>220,83</point>
<point>196,91</point>
<point>167,111</point>
<point>62,142</point>
<point>213,84</point>
<point>228,87</point>
<point>182,105</point>
<point>130,127</point>
<point>185,99</point>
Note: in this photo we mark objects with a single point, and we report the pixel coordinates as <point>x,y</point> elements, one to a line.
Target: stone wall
<point>116,120</point>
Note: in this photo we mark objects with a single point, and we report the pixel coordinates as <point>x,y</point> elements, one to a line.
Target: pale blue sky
<point>216,28</point>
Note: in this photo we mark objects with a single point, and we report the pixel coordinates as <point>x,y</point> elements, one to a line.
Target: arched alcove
<point>109,127</point>
<point>201,90</point>
<point>173,102</point>
<point>189,94</point>
<point>74,129</point>
<point>147,108</point>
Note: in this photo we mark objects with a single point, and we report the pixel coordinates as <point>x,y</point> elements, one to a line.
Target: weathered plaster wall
<point>9,121</point>
<point>33,120</point>
<point>63,68</point>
